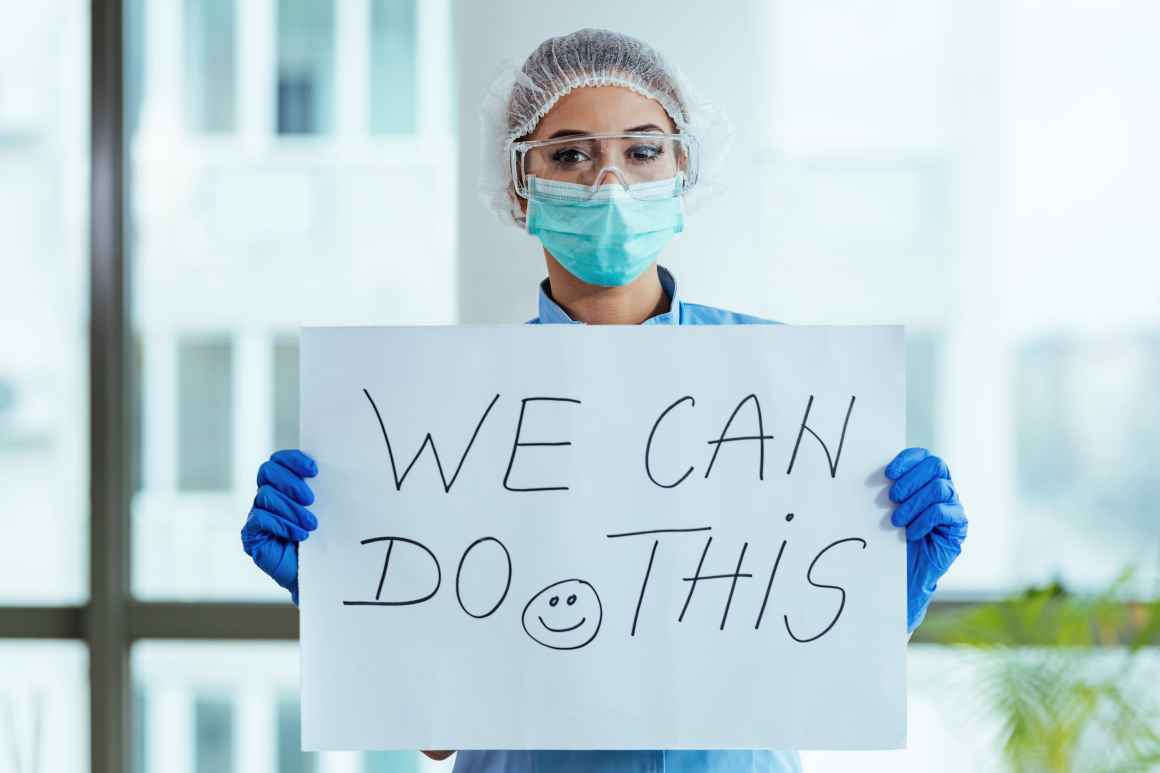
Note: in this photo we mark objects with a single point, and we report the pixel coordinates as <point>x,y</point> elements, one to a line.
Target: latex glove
<point>935,522</point>
<point>279,519</point>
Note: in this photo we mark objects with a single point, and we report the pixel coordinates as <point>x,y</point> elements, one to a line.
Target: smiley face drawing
<point>566,615</point>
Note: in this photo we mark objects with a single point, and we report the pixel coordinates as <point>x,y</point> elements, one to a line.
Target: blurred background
<point>210,174</point>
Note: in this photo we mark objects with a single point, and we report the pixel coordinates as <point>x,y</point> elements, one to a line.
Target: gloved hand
<point>935,522</point>
<point>279,519</point>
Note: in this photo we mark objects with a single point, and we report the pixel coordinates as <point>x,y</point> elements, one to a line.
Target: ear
<point>519,201</point>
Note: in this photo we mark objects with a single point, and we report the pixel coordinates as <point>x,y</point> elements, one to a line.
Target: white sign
<point>574,537</point>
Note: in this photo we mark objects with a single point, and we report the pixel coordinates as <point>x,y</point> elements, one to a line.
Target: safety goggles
<point>632,159</point>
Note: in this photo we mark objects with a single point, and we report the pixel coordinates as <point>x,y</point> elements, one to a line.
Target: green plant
<point>1065,675</point>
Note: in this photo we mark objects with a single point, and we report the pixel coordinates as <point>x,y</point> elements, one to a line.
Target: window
<point>205,414</point>
<point>286,393</point>
<point>233,250</point>
<point>228,707</point>
<point>213,735</point>
<point>43,704</point>
<point>290,756</point>
<point>44,348</point>
<point>305,66</point>
<point>210,65</point>
<point>1087,426</point>
<point>913,177</point>
<point>393,74</point>
<point>922,384</point>
<point>140,730</point>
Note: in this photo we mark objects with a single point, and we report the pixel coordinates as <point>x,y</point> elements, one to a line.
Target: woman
<point>598,147</point>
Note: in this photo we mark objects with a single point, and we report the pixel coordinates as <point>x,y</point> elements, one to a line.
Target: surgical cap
<point>521,96</point>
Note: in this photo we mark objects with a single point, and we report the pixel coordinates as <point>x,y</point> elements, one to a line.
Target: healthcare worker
<point>594,148</point>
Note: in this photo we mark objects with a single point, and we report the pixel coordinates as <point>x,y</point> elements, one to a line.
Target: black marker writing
<point>658,531</point>
<point>427,441</point>
<point>733,585</point>
<point>652,555</point>
<point>648,446</point>
<point>760,437</point>
<point>566,615</point>
<point>698,577</point>
<point>769,585</point>
<point>507,582</point>
<point>840,589</point>
<point>831,461</point>
<point>386,564</point>
<point>644,584</point>
<point>518,444</point>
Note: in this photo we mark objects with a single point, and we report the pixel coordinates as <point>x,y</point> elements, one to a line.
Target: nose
<point>610,175</point>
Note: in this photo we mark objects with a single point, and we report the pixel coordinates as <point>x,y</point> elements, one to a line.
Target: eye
<point>568,156</point>
<point>572,599</point>
<point>553,601</point>
<point>644,153</point>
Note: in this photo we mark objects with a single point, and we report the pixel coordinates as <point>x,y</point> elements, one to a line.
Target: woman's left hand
<point>935,522</point>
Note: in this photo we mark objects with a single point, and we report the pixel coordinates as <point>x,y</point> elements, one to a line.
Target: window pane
<point>1088,429</point>
<point>393,84</point>
<point>305,66</point>
<point>241,237</point>
<point>44,707</point>
<point>213,740</point>
<point>204,422</point>
<point>922,365</point>
<point>210,65</point>
<point>44,68</point>
<point>286,393</point>
<point>228,707</point>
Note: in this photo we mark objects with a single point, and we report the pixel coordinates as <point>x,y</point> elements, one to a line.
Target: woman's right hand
<point>279,519</point>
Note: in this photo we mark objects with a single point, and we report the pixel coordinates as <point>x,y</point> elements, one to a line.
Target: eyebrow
<point>648,127</point>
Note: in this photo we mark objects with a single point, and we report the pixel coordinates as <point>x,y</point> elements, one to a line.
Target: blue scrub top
<point>675,761</point>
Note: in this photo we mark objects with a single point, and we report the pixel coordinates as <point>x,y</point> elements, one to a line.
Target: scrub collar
<point>551,313</point>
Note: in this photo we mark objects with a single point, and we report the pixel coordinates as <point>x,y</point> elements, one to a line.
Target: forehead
<point>602,109</point>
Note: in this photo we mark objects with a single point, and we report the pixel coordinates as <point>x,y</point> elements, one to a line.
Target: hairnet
<point>520,96</point>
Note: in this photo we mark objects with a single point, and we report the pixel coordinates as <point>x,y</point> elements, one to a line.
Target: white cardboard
<point>447,674</point>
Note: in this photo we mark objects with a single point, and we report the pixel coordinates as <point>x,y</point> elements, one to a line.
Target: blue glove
<point>279,519</point>
<point>935,522</point>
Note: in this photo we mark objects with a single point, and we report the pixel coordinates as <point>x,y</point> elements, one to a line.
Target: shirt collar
<point>551,313</point>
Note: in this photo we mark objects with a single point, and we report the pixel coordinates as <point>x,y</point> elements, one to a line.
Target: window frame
<point>111,621</point>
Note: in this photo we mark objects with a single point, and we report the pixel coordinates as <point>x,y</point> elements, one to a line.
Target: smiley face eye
<point>553,601</point>
<point>572,599</point>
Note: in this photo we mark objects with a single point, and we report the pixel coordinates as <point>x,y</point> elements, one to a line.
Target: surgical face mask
<point>607,236</point>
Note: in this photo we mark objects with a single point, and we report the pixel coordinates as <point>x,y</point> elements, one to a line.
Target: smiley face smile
<point>561,602</point>
<point>562,630</point>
